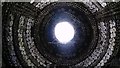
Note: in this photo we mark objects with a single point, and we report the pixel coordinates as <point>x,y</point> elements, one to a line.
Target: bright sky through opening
<point>64,32</point>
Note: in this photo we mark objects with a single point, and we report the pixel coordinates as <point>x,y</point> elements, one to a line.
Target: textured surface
<point>28,40</point>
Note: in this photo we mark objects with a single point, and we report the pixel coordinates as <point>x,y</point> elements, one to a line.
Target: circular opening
<point>64,32</point>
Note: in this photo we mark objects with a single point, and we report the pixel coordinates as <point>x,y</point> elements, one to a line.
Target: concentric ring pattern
<point>29,40</point>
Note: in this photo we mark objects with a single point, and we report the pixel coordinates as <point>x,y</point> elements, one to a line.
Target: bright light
<point>64,32</point>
